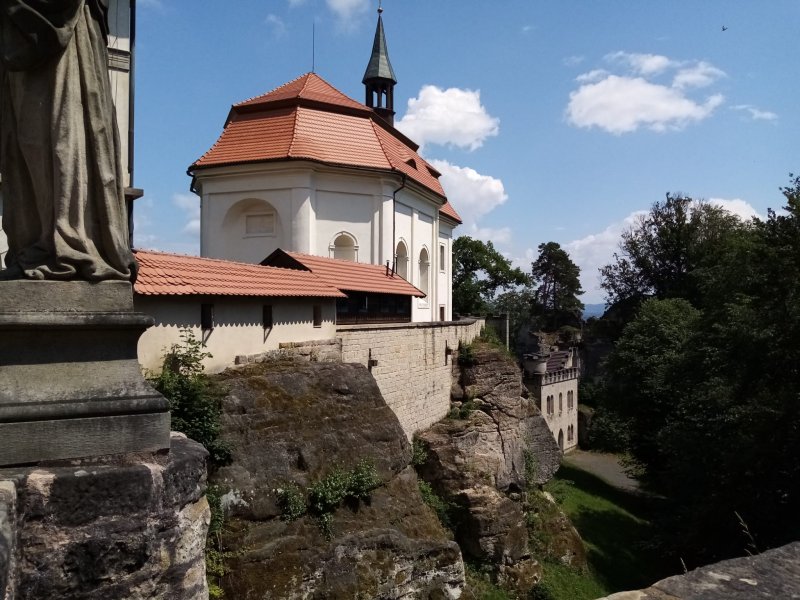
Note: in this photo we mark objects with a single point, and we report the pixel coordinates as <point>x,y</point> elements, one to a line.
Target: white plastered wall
<point>313,205</point>
<point>559,421</point>
<point>238,328</point>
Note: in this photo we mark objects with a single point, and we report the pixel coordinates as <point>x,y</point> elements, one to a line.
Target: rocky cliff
<point>292,425</point>
<point>483,459</point>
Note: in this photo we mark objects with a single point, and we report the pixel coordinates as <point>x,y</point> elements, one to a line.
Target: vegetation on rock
<point>195,404</point>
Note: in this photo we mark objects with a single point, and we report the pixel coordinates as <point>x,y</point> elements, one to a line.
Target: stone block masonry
<point>412,364</point>
<point>129,527</point>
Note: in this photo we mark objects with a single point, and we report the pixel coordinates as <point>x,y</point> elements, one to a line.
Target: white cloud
<point>701,74</point>
<point>451,117</point>
<point>755,113</point>
<point>190,205</point>
<point>642,64</point>
<point>276,24</point>
<point>474,196</point>
<point>741,208</point>
<point>346,10</point>
<point>624,104</point>
<point>294,3</point>
<point>595,251</point>
<point>572,61</point>
<point>592,76</point>
<point>501,235</point>
<point>527,28</point>
<point>631,98</point>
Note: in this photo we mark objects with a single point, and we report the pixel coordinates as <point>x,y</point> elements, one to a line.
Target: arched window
<point>424,270</point>
<point>344,247</point>
<point>560,402</point>
<point>401,257</point>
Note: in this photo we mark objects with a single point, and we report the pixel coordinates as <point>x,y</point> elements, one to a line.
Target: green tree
<point>710,387</point>
<point>557,281</point>
<point>660,252</point>
<point>643,369</point>
<point>479,271</point>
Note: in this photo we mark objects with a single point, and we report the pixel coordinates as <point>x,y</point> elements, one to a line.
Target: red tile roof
<point>309,119</point>
<point>348,275</point>
<point>309,87</point>
<point>164,274</point>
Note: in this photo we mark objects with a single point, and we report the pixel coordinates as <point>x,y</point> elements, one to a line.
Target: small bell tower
<point>379,79</point>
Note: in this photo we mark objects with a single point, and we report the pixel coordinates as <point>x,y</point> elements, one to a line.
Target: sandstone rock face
<point>131,527</point>
<point>772,574</point>
<point>292,423</point>
<point>476,462</point>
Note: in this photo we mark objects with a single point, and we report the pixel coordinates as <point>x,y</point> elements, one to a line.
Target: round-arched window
<point>424,270</point>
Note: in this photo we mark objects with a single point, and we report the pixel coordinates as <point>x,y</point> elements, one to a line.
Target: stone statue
<point>64,208</point>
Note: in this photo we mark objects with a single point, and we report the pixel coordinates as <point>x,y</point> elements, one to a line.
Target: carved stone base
<point>70,381</point>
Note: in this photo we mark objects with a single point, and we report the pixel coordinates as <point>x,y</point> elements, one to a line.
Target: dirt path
<point>604,466</point>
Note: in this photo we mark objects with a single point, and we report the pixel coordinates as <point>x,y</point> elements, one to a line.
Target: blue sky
<point>556,120</point>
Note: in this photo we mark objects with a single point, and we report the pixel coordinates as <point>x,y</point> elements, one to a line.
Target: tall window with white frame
<point>401,260</point>
<point>345,248</point>
<point>424,270</point>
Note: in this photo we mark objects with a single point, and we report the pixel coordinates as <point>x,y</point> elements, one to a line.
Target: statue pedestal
<point>70,381</point>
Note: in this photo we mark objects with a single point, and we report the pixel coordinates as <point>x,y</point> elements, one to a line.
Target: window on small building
<point>266,316</point>
<point>206,317</point>
<point>442,258</point>
<point>317,315</point>
<point>442,313</point>
<point>424,270</point>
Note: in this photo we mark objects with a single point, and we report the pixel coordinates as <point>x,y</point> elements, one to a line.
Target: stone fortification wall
<point>313,351</point>
<point>128,527</point>
<point>411,364</point>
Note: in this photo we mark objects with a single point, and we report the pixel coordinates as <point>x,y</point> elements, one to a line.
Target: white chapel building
<point>310,171</point>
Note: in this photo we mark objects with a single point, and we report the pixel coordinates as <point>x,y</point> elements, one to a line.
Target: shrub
<point>608,432</point>
<point>419,454</point>
<point>466,355</point>
<point>325,496</point>
<point>195,404</point>
<point>216,558</point>
<point>291,501</point>
<point>437,504</point>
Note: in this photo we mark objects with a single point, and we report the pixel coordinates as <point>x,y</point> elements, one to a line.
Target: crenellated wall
<point>411,364</point>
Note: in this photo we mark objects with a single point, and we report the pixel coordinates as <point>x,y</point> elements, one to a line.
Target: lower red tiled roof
<point>348,275</point>
<point>164,274</point>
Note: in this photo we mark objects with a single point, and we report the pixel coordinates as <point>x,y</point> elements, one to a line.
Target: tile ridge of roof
<point>380,143</point>
<point>208,259</point>
<point>273,90</point>
<point>295,115</point>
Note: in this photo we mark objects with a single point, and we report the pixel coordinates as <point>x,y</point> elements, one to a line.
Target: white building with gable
<point>306,169</point>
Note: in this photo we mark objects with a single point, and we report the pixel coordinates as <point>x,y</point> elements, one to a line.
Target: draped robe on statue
<point>64,206</point>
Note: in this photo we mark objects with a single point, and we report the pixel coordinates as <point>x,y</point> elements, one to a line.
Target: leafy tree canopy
<point>557,289</point>
<point>479,272</point>
<point>659,254</point>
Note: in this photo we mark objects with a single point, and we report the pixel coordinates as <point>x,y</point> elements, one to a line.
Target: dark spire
<point>379,78</point>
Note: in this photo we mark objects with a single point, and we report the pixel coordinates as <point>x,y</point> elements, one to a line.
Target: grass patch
<point>560,582</point>
<point>615,528</point>
<point>480,586</point>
